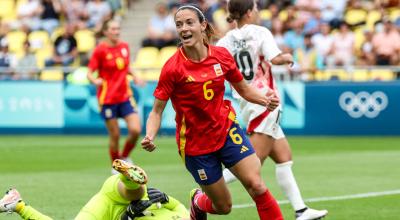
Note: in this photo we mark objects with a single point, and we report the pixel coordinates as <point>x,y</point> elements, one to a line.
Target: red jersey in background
<point>196,90</point>
<point>112,64</point>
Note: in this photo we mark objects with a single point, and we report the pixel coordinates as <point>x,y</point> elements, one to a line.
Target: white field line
<point>333,198</point>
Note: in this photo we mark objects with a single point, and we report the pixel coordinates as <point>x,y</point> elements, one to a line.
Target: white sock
<point>286,181</point>
<point>228,176</point>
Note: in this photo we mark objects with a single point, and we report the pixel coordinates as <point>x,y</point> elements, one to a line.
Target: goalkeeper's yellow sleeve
<point>28,212</point>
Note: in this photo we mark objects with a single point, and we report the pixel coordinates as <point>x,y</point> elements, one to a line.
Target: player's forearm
<point>253,96</point>
<point>90,76</point>
<point>250,94</point>
<point>153,125</point>
<point>283,58</point>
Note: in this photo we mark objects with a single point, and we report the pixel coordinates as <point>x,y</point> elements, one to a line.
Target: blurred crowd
<point>319,33</point>
<point>43,33</point>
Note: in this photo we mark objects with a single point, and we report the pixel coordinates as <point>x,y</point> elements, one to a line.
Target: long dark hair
<point>104,27</point>
<point>238,8</point>
<point>209,31</point>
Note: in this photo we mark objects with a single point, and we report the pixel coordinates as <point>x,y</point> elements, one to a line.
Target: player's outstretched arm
<point>153,124</point>
<point>12,202</point>
<point>283,58</point>
<point>271,100</point>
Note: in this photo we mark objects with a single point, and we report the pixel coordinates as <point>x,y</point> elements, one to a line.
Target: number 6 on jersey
<point>208,93</point>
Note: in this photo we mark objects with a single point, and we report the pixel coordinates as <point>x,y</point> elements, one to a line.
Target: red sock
<point>114,154</point>
<point>127,149</point>
<point>204,203</point>
<point>267,207</point>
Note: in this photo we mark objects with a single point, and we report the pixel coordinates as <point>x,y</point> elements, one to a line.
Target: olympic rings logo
<point>363,103</point>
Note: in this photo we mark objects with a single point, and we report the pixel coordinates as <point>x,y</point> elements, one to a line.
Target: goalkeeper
<point>122,197</point>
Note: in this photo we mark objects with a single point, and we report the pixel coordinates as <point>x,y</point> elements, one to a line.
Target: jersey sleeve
<point>175,206</point>
<point>224,42</point>
<point>269,48</point>
<point>95,59</point>
<point>166,84</point>
<point>233,74</point>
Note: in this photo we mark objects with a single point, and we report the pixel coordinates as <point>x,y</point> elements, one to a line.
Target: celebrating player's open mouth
<point>185,38</point>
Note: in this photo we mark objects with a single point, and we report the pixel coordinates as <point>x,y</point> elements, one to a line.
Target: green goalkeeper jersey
<point>109,205</point>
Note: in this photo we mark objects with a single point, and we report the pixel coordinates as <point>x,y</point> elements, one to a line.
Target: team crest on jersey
<point>109,56</point>
<point>124,52</point>
<point>202,174</point>
<point>218,69</point>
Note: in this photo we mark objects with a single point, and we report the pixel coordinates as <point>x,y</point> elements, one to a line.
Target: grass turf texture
<point>58,174</point>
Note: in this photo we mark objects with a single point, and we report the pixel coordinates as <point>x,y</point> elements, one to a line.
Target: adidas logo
<point>243,149</point>
<point>190,79</point>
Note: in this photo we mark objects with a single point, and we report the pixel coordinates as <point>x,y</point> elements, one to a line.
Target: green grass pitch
<point>58,174</point>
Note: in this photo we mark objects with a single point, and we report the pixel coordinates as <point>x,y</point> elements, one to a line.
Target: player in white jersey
<point>250,45</point>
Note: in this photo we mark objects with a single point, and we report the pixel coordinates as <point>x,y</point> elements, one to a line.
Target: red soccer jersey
<point>112,64</point>
<point>196,90</point>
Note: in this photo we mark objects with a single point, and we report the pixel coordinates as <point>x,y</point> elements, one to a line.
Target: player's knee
<point>256,186</point>
<point>223,208</point>
<point>115,135</point>
<point>135,131</point>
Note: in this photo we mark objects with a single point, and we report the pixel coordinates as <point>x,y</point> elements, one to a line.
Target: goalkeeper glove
<point>156,196</point>
<point>136,208</point>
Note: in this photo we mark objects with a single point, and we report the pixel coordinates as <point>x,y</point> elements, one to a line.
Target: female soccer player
<point>247,43</point>
<point>122,197</point>
<point>207,132</point>
<point>111,59</point>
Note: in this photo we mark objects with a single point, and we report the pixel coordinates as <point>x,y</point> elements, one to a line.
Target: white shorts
<point>260,121</point>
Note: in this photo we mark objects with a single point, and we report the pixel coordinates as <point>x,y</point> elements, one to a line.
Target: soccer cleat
<point>195,212</point>
<point>9,201</point>
<point>130,171</point>
<point>311,214</point>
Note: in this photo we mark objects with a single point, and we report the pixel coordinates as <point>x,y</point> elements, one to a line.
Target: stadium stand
<point>15,40</point>
<point>147,63</point>
<point>362,16</point>
<point>39,40</point>
<point>86,40</point>
<point>52,75</point>
<point>165,54</point>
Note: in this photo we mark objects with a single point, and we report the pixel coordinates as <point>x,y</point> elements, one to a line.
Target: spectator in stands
<point>50,11</point>
<point>219,19</point>
<point>97,11</point>
<point>277,32</point>
<point>342,49</point>
<point>115,5</point>
<point>75,12</point>
<point>306,9</point>
<point>386,45</point>
<point>28,14</point>
<point>308,59</point>
<point>314,22</point>
<point>274,9</point>
<point>294,38</point>
<point>4,29</point>
<point>323,41</point>
<point>7,61</point>
<point>332,11</point>
<point>367,55</point>
<point>26,67</point>
<point>161,29</point>
<point>65,48</point>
